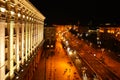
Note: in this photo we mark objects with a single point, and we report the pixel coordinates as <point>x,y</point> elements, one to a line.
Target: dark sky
<point>70,11</point>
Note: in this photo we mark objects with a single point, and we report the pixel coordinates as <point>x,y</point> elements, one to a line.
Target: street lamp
<point>94,55</point>
<point>84,74</point>
<point>84,70</point>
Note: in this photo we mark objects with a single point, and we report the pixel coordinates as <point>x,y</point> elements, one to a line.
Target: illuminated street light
<point>94,54</point>
<point>83,72</point>
<point>84,69</point>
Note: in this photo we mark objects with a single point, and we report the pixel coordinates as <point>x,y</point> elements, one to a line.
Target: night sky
<point>72,11</point>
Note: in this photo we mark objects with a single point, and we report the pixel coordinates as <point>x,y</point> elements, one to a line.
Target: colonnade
<point>21,31</point>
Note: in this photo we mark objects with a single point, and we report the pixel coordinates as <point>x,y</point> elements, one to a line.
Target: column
<point>41,31</point>
<point>31,33</point>
<point>34,29</point>
<point>34,34</point>
<point>2,50</point>
<point>26,39</point>
<point>10,26</point>
<point>37,34</point>
<point>17,39</point>
<point>29,25</point>
<point>22,37</point>
<point>22,43</point>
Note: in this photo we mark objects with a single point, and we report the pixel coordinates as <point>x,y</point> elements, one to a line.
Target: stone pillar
<point>22,37</point>
<point>29,33</point>
<point>32,34</point>
<point>26,39</point>
<point>2,50</point>
<point>41,31</point>
<point>36,34</point>
<point>17,39</point>
<point>10,26</point>
<point>22,43</point>
<point>34,27</point>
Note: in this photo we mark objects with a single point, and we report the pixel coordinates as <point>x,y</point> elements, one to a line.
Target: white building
<point>21,34</point>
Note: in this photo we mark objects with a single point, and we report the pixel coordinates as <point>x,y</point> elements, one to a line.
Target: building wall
<point>21,37</point>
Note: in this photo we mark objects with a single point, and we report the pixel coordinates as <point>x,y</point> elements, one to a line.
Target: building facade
<point>21,38</point>
<point>113,30</point>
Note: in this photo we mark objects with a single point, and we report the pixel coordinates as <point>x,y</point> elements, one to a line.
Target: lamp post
<point>84,73</point>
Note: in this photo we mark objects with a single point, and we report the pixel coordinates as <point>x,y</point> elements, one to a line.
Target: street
<point>56,67</point>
